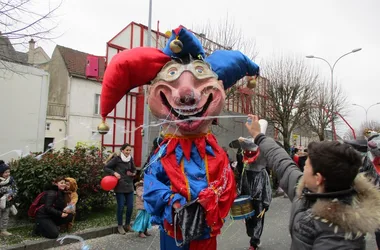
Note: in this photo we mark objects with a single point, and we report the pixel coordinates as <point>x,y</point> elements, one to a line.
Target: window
<point>48,126</point>
<point>97,104</point>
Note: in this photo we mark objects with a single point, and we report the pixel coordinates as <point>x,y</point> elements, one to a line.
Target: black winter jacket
<point>125,184</point>
<point>325,221</point>
<point>53,203</point>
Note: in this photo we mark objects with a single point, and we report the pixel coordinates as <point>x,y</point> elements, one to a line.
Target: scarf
<point>4,181</point>
<point>125,158</point>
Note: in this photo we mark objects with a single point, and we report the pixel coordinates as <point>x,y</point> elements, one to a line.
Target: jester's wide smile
<point>186,112</point>
<point>187,92</point>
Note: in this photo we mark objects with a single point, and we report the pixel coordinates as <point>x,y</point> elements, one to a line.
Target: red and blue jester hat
<point>139,66</point>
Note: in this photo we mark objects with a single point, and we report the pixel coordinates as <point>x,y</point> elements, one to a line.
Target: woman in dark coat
<point>332,206</point>
<point>50,214</point>
<point>123,168</point>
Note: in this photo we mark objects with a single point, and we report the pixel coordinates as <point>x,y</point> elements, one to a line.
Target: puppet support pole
<point>145,146</point>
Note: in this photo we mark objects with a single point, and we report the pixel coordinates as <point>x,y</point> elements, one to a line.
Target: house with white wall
<point>74,92</point>
<point>23,99</point>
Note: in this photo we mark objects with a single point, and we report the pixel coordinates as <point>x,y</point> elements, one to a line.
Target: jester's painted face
<point>186,92</point>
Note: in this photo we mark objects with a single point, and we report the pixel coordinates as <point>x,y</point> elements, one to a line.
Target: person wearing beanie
<point>7,193</point>
<point>333,207</point>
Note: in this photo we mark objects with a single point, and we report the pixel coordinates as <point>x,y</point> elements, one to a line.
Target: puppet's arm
<point>158,197</point>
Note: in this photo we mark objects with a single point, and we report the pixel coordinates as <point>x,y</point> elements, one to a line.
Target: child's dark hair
<point>124,146</point>
<point>338,163</point>
<point>59,178</point>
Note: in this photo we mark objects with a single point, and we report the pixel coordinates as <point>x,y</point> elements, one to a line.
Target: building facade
<point>23,100</point>
<point>73,107</point>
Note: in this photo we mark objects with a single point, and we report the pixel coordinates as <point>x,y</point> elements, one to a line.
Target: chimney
<point>32,43</point>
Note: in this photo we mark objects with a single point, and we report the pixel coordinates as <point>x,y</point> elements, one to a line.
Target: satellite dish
<point>168,33</point>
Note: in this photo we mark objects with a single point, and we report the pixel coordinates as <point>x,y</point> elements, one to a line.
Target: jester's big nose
<point>186,94</point>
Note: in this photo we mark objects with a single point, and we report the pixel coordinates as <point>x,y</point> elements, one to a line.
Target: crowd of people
<point>53,209</point>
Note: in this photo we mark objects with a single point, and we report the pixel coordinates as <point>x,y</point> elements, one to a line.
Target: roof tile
<point>76,61</point>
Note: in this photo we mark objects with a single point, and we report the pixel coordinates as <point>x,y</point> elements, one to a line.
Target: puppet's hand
<point>176,205</point>
<point>208,198</point>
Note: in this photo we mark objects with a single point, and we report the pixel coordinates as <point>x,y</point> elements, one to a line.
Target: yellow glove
<point>261,214</point>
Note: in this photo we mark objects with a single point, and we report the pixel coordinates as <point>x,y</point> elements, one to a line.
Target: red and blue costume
<point>181,171</point>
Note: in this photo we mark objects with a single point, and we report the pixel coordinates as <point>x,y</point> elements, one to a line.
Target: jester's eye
<point>199,69</point>
<point>172,71</point>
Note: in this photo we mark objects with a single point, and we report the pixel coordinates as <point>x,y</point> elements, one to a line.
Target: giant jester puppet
<point>188,184</point>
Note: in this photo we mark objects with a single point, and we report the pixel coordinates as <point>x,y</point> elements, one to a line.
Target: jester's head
<point>185,88</point>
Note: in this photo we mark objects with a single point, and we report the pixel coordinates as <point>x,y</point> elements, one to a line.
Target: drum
<point>242,208</point>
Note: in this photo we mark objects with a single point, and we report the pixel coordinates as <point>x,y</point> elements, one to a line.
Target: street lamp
<point>145,146</point>
<point>332,84</point>
<point>366,110</point>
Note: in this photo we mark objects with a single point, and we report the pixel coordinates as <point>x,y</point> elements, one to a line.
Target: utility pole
<point>145,146</point>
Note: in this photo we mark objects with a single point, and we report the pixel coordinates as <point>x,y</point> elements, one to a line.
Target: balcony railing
<point>55,109</point>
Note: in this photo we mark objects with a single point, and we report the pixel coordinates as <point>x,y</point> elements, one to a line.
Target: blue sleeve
<point>157,192</point>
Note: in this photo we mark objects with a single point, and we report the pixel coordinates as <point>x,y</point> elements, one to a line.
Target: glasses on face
<point>173,70</point>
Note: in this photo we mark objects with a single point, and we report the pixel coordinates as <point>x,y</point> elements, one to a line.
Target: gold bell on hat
<point>176,45</point>
<point>252,81</point>
<point>103,128</point>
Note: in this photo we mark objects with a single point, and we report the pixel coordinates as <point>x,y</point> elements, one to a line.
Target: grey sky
<point>324,28</point>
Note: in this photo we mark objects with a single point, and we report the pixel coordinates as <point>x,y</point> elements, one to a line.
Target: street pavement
<point>275,236</point>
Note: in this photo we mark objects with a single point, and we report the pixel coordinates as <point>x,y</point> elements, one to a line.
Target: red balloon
<point>108,183</point>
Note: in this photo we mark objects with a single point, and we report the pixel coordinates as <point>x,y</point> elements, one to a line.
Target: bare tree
<point>289,93</point>
<point>348,135</point>
<point>319,114</point>
<point>226,35</point>
<point>21,20</point>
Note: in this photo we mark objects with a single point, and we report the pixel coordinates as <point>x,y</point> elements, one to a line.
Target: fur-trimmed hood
<point>359,217</point>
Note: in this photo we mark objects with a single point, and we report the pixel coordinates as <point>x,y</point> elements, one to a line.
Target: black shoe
<point>35,232</point>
